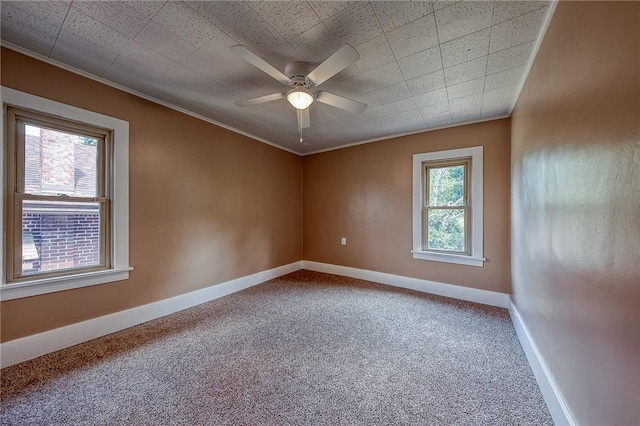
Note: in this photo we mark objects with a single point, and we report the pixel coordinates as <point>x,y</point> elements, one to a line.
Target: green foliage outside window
<point>445,226</point>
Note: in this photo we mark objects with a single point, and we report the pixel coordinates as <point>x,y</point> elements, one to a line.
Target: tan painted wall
<point>576,208</point>
<point>364,193</point>
<point>207,205</point>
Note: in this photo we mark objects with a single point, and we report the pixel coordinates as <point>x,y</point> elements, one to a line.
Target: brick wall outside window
<point>55,240</point>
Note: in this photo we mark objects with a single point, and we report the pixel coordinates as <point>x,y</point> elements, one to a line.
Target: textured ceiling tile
<point>438,120</point>
<point>466,48</point>
<point>470,113</point>
<point>505,78</point>
<point>463,18</point>
<point>165,42</point>
<point>468,105</point>
<point>352,121</point>
<point>221,13</point>
<point>147,8</point>
<point>435,109</point>
<point>500,93</point>
<point>350,88</point>
<point>225,95</point>
<point>507,10</point>
<point>383,76</point>
<point>369,99</point>
<point>81,54</point>
<point>431,98</point>
<point>348,72</point>
<point>138,52</point>
<point>420,63</point>
<point>441,4</point>
<point>372,112</point>
<point>261,79</point>
<point>465,89</point>
<point>495,109</point>
<point>466,71</point>
<point>509,58</point>
<point>51,11</point>
<point>426,83</point>
<point>354,25</point>
<point>281,55</point>
<point>186,23</point>
<point>87,28</point>
<point>254,33</point>
<point>397,107</point>
<point>202,107</point>
<point>393,14</point>
<point>316,44</point>
<point>321,114</point>
<point>464,103</point>
<point>127,73</point>
<point>397,122</point>
<point>288,18</point>
<point>413,37</point>
<point>374,53</point>
<point>26,30</point>
<point>182,77</point>
<point>114,14</point>
<point>239,85</point>
<point>326,9</point>
<point>517,31</point>
<point>393,93</point>
<point>214,59</point>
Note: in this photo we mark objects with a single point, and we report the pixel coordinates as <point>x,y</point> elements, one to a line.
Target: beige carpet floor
<point>303,349</point>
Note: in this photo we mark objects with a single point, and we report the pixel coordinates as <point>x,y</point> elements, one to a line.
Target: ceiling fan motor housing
<point>297,72</point>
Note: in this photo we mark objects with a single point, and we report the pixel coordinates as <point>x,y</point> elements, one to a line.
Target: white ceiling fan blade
<point>340,102</point>
<point>304,120</point>
<point>261,99</point>
<point>335,63</point>
<point>260,63</point>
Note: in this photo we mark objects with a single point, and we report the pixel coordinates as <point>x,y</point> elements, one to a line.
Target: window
<point>66,183</point>
<point>58,178</point>
<point>447,206</point>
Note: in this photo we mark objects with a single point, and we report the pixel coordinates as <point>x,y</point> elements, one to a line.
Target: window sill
<point>449,258</point>
<point>50,285</point>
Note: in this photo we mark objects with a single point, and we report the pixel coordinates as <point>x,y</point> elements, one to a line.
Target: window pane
<point>446,186</point>
<point>60,163</point>
<point>59,235</point>
<point>446,230</point>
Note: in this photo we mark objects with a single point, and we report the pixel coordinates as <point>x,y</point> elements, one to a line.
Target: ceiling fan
<point>301,77</point>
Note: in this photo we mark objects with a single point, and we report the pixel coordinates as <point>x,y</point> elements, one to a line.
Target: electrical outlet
<point>343,241</point>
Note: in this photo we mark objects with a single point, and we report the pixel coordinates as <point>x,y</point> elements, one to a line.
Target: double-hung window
<point>66,197</point>
<point>447,206</point>
<point>59,199</point>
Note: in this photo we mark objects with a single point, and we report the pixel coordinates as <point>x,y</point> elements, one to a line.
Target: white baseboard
<point>552,396</point>
<point>485,297</point>
<point>29,347</point>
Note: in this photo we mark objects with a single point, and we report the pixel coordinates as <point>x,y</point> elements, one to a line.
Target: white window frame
<point>120,202</point>
<point>475,258</point>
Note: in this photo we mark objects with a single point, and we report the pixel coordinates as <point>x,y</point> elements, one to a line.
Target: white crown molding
<point>556,402</point>
<point>29,347</point>
<point>485,297</point>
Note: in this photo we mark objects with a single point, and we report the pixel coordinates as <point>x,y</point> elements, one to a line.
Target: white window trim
<point>476,258</point>
<point>120,203</point>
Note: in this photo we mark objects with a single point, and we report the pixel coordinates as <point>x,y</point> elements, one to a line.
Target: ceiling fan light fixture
<point>300,98</point>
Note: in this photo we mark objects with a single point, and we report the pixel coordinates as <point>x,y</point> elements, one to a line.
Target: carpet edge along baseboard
<point>29,347</point>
